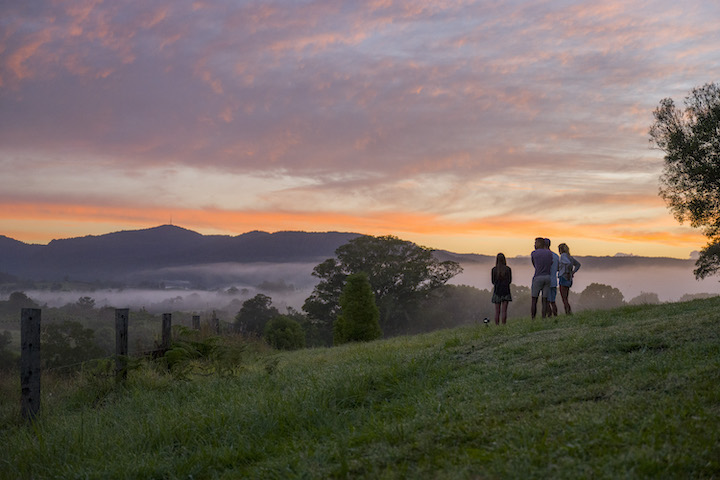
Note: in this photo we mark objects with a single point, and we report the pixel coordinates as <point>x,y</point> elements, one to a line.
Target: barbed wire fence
<point>31,363</point>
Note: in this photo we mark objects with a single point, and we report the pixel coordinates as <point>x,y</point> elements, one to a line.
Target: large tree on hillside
<point>690,183</point>
<point>401,275</point>
<point>255,313</point>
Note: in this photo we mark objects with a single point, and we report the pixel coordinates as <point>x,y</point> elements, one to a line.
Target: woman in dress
<point>566,271</point>
<point>501,276</point>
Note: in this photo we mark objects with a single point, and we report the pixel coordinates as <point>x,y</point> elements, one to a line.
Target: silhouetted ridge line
<point>117,255</point>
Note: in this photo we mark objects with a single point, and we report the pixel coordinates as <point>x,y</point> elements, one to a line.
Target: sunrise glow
<point>465,126</point>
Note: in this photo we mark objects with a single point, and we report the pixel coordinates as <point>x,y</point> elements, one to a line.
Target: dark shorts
<point>501,298</point>
<point>565,282</point>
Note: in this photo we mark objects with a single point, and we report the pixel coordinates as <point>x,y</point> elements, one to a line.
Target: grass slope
<point>627,393</point>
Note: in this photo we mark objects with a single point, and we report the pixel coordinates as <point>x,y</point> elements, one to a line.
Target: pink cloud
<point>19,61</point>
<point>379,91</point>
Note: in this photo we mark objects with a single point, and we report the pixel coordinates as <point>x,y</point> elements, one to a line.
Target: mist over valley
<point>166,269</point>
<point>669,278</point>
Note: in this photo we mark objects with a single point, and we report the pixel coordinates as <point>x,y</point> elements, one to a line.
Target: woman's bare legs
<point>564,292</point>
<point>497,313</point>
<point>504,312</point>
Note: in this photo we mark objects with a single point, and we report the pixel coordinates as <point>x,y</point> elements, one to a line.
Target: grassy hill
<point>627,393</point>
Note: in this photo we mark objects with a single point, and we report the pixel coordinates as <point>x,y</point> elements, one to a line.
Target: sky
<point>469,126</point>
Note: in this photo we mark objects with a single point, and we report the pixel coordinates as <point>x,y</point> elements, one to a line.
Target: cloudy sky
<point>472,126</point>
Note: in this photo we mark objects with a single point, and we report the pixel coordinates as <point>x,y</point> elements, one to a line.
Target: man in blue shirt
<point>552,306</point>
<point>542,260</point>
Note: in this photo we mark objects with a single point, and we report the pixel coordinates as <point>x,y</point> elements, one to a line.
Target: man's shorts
<point>541,283</point>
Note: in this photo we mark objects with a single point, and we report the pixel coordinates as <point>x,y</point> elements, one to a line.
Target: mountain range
<point>120,256</point>
<point>168,252</point>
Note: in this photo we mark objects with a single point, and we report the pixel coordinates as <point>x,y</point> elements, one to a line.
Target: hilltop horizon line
<point>176,227</point>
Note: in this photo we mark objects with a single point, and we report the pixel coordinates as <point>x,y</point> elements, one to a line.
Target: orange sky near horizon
<point>465,126</point>
<point>31,224</point>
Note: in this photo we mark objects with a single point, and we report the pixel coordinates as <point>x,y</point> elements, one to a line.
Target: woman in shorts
<point>501,276</point>
<point>566,271</point>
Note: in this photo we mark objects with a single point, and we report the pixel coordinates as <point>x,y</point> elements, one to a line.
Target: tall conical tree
<point>359,320</point>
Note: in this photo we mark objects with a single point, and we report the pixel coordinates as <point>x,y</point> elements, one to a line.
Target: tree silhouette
<point>600,296</point>
<point>359,320</point>
<point>254,315</point>
<point>690,183</point>
<point>401,275</point>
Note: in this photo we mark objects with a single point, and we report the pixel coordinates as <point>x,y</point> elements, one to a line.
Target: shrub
<point>284,333</point>
<point>645,298</point>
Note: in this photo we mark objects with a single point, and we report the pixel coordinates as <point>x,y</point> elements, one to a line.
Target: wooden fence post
<point>30,362</point>
<point>121,343</point>
<point>166,331</point>
<point>196,322</point>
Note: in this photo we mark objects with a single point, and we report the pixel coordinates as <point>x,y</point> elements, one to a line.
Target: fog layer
<point>669,282</point>
<point>225,286</point>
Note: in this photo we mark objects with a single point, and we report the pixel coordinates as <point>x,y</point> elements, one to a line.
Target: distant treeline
<point>81,331</point>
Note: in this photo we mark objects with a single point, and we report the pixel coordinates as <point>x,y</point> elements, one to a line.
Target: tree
<point>10,308</point>
<point>689,297</point>
<point>359,320</point>
<point>86,303</point>
<point>254,314</point>
<point>17,301</point>
<point>400,273</point>
<point>690,182</point>
<point>68,344</point>
<point>708,263</point>
<point>599,296</point>
<point>284,333</point>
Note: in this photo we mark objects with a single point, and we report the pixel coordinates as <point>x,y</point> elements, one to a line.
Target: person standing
<point>552,306</point>
<point>501,277</point>
<point>566,271</point>
<point>541,259</point>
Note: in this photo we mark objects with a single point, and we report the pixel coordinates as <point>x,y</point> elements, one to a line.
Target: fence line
<point>30,360</point>
<point>121,343</point>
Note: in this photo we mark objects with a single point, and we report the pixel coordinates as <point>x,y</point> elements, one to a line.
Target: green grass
<point>627,393</point>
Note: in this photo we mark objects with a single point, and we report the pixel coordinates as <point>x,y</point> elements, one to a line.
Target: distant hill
<point>171,253</point>
<point>117,256</point>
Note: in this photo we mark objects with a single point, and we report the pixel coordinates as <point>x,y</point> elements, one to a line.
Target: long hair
<point>563,248</point>
<point>501,265</point>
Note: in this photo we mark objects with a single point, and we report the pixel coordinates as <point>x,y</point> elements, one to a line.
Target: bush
<point>284,333</point>
<point>645,298</point>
